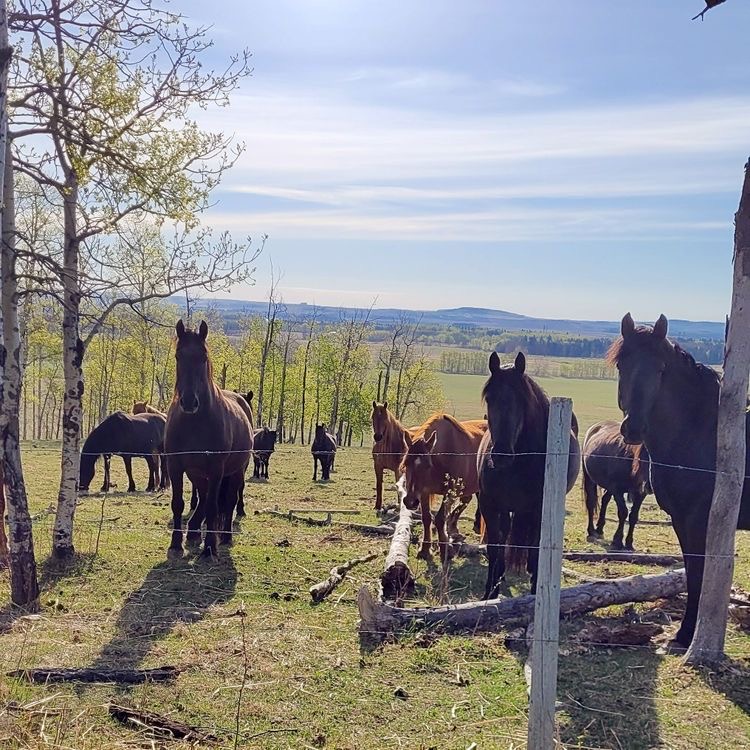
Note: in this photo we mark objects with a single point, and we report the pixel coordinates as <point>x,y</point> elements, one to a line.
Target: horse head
<point>194,375</point>
<point>505,395</point>
<point>418,471</point>
<point>379,420</point>
<point>641,356</point>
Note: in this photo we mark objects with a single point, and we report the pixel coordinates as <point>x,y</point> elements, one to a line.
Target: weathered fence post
<point>708,641</point>
<point>547,605</point>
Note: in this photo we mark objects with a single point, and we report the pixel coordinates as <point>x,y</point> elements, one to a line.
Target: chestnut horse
<point>209,438</point>
<point>609,462</point>
<point>388,446</point>
<point>511,463</point>
<point>671,405</point>
<point>441,460</point>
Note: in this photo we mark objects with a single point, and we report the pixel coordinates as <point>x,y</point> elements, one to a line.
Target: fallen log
<point>362,528</point>
<point>377,619</point>
<point>635,558</point>
<point>122,676</point>
<point>321,590</point>
<point>161,726</point>
<point>466,549</point>
<point>397,579</point>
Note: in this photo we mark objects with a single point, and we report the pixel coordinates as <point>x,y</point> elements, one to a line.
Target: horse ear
<point>249,396</point>
<point>180,328</point>
<point>660,327</point>
<point>431,441</point>
<point>385,404</point>
<point>520,363</point>
<point>494,363</point>
<point>203,330</point>
<point>374,404</point>
<point>627,326</point>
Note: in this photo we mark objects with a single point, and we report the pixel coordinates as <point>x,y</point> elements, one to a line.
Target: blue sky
<point>550,158</point>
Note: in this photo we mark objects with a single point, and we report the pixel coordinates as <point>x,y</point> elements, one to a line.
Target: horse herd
<point>666,444</point>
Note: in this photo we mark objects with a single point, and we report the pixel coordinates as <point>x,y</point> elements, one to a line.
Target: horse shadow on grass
<point>172,593</point>
<point>732,680</point>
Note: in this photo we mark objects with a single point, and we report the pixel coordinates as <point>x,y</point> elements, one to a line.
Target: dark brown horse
<point>209,438</point>
<point>388,446</point>
<point>511,469</point>
<point>441,461</point>
<point>323,449</point>
<point>130,436</point>
<point>670,404</point>
<point>621,469</point>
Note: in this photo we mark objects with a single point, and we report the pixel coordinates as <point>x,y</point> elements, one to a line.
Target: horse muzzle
<point>632,433</point>
<point>189,404</point>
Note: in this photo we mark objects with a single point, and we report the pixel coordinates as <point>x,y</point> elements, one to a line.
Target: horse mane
<point>707,375</point>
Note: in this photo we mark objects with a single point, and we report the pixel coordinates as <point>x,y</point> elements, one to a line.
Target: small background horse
<point>388,445</point>
<point>129,436</point>
<point>511,469</point>
<point>264,444</point>
<point>323,449</point>
<point>609,462</point>
<point>441,461</point>
<point>209,438</point>
<point>670,404</point>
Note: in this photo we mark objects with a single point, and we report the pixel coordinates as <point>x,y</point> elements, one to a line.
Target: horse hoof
<point>674,647</point>
<point>193,540</point>
<point>615,547</point>
<point>208,554</point>
<point>175,553</point>
<point>424,554</point>
<point>593,538</point>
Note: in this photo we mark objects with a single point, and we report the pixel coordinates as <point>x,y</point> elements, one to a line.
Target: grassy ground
<point>307,684</point>
<point>593,400</point>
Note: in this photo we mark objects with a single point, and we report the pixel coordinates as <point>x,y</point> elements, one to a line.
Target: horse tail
<point>520,539</point>
<point>590,495</point>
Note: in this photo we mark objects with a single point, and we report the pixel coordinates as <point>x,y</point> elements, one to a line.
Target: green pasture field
<point>593,400</point>
<point>255,655</point>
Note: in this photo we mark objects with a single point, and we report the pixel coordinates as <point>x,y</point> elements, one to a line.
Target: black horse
<point>621,469</point>
<point>323,449</point>
<point>670,404</point>
<point>130,436</point>
<point>511,462</point>
<point>264,444</point>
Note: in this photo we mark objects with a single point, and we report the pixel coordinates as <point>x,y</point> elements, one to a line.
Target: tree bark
<point>321,590</point>
<point>708,642</point>
<point>397,579</point>
<point>24,588</point>
<point>73,349</point>
<point>378,619</point>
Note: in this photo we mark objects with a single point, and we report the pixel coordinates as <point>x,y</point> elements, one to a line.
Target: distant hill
<point>464,317</point>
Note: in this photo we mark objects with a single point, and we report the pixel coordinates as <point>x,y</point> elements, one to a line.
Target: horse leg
<point>532,562</point>
<point>266,461</point>
<point>240,503</point>
<point>443,537</point>
<point>153,473</point>
<point>197,516</point>
<point>603,514</point>
<point>128,461</point>
<point>453,517</point>
<point>194,500</point>
<point>495,553</point>
<point>378,487</point>
<point>326,468</point>
<point>106,482</point>
<point>477,528</point>
<point>231,493</point>
<point>622,516</point>
<point>315,468</point>
<point>691,531</point>
<point>256,467</point>
<point>424,505</point>
<point>178,506</point>
<point>164,483</point>
<point>636,500</point>
<point>211,504</point>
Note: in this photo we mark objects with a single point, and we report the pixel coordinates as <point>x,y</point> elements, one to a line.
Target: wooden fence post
<point>547,605</point>
<point>708,642</point>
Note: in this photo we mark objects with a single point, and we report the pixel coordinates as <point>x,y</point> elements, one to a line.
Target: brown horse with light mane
<point>388,445</point>
<point>441,460</point>
<point>209,438</point>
